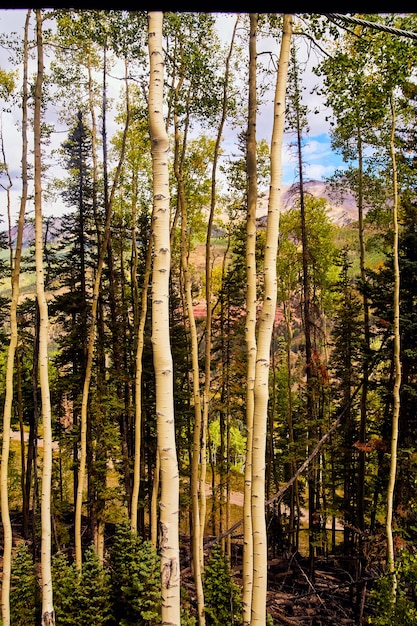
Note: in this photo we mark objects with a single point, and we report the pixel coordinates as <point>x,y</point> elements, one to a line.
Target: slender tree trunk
<point>294,505</point>
<point>397,367</point>
<point>367,342</point>
<point>138,377</point>
<point>169,503</point>
<point>8,402</point>
<point>32,457</point>
<point>196,486</point>
<point>154,502</point>
<point>261,385</point>
<point>48,614</point>
<point>312,417</point>
<point>250,328</point>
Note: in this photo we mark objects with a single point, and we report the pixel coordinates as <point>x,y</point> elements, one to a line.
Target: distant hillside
<point>341,213</point>
<point>51,226</point>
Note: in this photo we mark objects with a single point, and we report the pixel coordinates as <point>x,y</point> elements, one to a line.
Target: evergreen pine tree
<point>221,593</point>
<point>135,579</point>
<point>94,603</point>
<point>84,599</point>
<point>24,592</point>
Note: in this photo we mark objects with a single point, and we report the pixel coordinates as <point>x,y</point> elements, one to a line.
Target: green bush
<point>402,612</point>
<point>80,600</point>
<point>24,590</point>
<point>135,579</point>
<point>94,604</point>
<point>187,618</point>
<point>223,602</point>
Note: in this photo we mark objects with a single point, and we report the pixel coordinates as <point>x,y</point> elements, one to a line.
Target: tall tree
<point>8,402</point>
<point>397,363</point>
<point>169,502</point>
<point>48,614</point>
<point>267,317</point>
<point>350,94</point>
<point>251,302</point>
<point>208,273</point>
<point>70,307</point>
<point>297,119</point>
<point>103,248</point>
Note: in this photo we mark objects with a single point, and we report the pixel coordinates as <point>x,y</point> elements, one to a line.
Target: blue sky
<point>320,161</point>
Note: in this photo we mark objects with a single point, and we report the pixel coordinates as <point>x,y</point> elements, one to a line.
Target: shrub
<point>223,602</point>
<point>135,579</point>
<point>65,589</point>
<point>24,590</point>
<point>80,600</point>
<point>402,612</point>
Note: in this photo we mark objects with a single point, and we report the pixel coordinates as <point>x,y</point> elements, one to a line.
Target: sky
<point>319,159</point>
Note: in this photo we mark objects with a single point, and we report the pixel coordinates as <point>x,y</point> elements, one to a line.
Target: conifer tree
<point>135,580</point>
<point>25,592</point>
<point>70,308</point>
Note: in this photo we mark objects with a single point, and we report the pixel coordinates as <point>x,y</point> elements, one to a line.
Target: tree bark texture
<point>169,499</point>
<point>266,322</point>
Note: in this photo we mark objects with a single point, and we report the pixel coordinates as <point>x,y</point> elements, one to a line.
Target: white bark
<point>169,503</point>
<point>250,328</point>
<point>397,368</point>
<point>48,615</point>
<point>8,402</point>
<point>261,385</point>
<point>195,483</point>
<point>138,389</point>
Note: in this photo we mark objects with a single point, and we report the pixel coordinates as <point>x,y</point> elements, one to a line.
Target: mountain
<point>341,211</point>
<point>51,228</point>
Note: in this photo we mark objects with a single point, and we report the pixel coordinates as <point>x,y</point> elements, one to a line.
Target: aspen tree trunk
<point>8,401</point>
<point>250,328</point>
<point>367,338</point>
<point>196,485</point>
<point>261,385</point>
<point>294,526</point>
<point>312,417</point>
<point>397,367</point>
<point>154,502</point>
<point>169,502</point>
<point>48,614</point>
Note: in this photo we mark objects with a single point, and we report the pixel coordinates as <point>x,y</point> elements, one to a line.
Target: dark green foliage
<point>187,619</point>
<point>222,596</point>
<point>65,587</point>
<point>135,578</point>
<point>24,590</point>
<point>402,612</point>
<point>381,298</point>
<point>80,600</point>
<point>94,592</point>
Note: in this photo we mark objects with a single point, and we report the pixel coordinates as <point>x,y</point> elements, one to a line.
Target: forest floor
<point>333,591</point>
<point>332,594</point>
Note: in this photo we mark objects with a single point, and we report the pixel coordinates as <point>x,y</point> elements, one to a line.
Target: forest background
<point>190,329</point>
